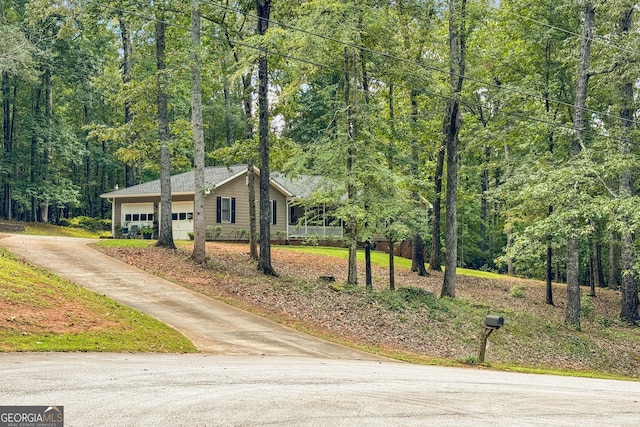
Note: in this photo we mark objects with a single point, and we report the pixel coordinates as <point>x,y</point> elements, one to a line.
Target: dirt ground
<point>298,297</point>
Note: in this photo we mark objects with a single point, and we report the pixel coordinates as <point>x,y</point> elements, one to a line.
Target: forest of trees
<point>495,134</point>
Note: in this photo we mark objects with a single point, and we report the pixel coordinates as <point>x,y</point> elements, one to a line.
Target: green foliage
<point>408,298</point>
<point>213,233</point>
<point>146,229</point>
<point>239,233</point>
<point>88,223</point>
<point>516,292</point>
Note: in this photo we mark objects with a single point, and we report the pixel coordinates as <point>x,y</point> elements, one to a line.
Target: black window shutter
<point>218,210</point>
<point>275,210</point>
<point>233,210</point>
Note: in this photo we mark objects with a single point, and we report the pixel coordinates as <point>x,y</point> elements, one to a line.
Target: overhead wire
<point>597,39</point>
<point>425,66</point>
<point>323,66</point>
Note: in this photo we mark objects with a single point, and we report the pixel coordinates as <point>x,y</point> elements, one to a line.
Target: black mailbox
<point>492,321</point>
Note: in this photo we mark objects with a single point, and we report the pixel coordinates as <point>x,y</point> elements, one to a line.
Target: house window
<point>127,217</point>
<point>182,216</point>
<point>274,212</point>
<point>136,217</point>
<point>174,216</point>
<point>225,210</point>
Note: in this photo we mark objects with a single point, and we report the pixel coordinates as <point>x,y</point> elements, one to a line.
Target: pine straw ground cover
<point>411,323</point>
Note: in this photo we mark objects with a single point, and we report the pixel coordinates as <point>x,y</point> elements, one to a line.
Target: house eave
<point>141,195</point>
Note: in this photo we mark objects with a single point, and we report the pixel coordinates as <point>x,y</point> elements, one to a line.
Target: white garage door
<point>140,214</point>
<point>182,219</point>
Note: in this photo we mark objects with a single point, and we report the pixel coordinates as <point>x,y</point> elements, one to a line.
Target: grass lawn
<point>381,259</point>
<point>42,312</point>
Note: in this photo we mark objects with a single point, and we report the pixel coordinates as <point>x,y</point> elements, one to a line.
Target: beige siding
<point>237,189</point>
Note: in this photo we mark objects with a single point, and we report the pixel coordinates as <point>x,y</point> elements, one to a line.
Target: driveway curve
<point>212,326</point>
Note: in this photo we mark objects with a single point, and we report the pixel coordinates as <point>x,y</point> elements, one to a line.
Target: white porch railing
<point>313,230</point>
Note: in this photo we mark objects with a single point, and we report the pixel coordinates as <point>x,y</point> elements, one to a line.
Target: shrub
<point>213,233</point>
<point>239,233</point>
<point>516,292</point>
<point>88,223</point>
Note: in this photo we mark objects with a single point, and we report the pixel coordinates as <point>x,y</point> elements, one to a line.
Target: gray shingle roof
<point>183,183</point>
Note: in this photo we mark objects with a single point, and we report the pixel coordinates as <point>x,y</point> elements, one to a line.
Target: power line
<point>323,66</point>
<point>597,39</point>
<point>424,66</point>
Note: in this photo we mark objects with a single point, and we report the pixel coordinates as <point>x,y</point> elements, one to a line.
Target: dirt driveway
<point>212,326</point>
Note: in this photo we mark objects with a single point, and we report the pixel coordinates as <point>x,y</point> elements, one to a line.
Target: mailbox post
<point>491,323</point>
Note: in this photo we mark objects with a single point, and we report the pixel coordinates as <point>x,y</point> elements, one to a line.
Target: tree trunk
<point>599,270</point>
<point>417,256</point>
<point>550,138</point>
<point>46,151</point>
<point>248,134</point>
<point>390,164</point>
<point>484,205</point>
<point>612,283</point>
<point>165,235</point>
<point>227,104</point>
<point>592,276</point>
<point>417,247</point>
<point>452,122</point>
<point>247,111</point>
<point>629,288</point>
<point>126,78</point>
<point>392,266</point>
<point>88,178</point>
<point>549,284</point>
<point>7,211</point>
<point>35,162</point>
<point>435,263</point>
<point>199,240</point>
<point>572,317</point>
<point>351,123</point>
<point>367,262</point>
<point>251,187</point>
<point>264,263</point>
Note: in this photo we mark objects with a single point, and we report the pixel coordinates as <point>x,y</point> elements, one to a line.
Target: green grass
<point>35,292</point>
<point>44,229</point>
<point>126,243</point>
<point>381,259</point>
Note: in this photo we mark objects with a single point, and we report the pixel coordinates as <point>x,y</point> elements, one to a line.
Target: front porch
<point>303,222</point>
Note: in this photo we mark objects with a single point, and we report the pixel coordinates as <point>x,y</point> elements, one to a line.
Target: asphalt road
<point>236,382</point>
<point>214,390</point>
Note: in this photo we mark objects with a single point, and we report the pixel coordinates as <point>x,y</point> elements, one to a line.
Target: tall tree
<point>16,61</point>
<point>451,128</point>
<point>264,263</point>
<point>165,235</point>
<point>199,241</point>
<point>572,317</point>
<point>417,244</point>
<point>629,285</point>
<point>126,79</point>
